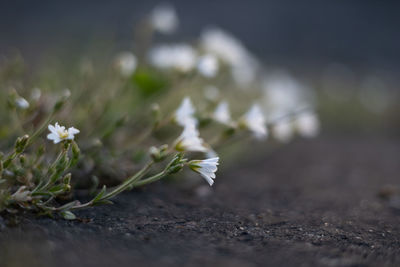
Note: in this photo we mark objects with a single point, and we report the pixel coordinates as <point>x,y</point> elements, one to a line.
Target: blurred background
<point>347,50</point>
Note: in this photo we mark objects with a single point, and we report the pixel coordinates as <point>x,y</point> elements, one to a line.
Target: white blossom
<point>222,113</point>
<point>36,94</point>
<point>180,57</point>
<point>163,18</point>
<point>126,63</point>
<point>254,120</point>
<point>185,113</point>
<point>205,168</point>
<point>208,66</point>
<point>21,103</point>
<point>59,133</point>
<point>231,51</point>
<point>307,124</point>
<point>22,194</point>
<point>224,45</point>
<point>190,140</point>
<point>282,130</point>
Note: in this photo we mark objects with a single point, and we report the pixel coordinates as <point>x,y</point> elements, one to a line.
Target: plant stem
<point>151,179</point>
<point>128,182</point>
<point>41,129</point>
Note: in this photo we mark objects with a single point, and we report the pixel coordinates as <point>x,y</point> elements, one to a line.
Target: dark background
<point>361,34</point>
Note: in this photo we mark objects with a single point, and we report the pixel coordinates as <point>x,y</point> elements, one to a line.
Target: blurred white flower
<point>245,72</point>
<point>224,45</point>
<point>307,124</point>
<point>126,63</point>
<point>282,130</point>
<point>181,57</point>
<point>222,113</point>
<point>282,93</point>
<point>22,195</point>
<point>59,133</point>
<point>21,103</point>
<point>185,113</point>
<point>208,66</point>
<point>231,51</point>
<point>205,168</point>
<point>189,140</point>
<point>211,92</point>
<point>254,120</point>
<point>164,19</point>
<point>36,94</point>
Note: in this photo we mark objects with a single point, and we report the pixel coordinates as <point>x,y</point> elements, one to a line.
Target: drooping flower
<point>205,168</point>
<point>190,140</point>
<point>208,66</point>
<point>254,121</point>
<point>307,124</point>
<point>21,103</point>
<point>163,18</point>
<point>59,133</point>
<point>222,114</point>
<point>180,57</point>
<point>185,113</point>
<point>126,63</point>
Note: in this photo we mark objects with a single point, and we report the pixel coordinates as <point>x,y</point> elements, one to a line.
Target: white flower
<point>254,120</point>
<point>189,140</point>
<point>181,57</point>
<point>284,94</point>
<point>36,94</point>
<point>185,113</point>
<point>283,130</point>
<point>22,103</point>
<point>208,66</point>
<point>231,51</point>
<point>224,45</point>
<point>222,114</point>
<point>163,18</point>
<point>59,133</point>
<point>307,124</point>
<point>126,63</point>
<point>22,194</point>
<point>205,168</point>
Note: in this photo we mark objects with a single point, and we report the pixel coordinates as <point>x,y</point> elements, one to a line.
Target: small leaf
<point>100,194</point>
<point>68,215</point>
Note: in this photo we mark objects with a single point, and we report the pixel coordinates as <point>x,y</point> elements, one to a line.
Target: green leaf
<point>68,215</point>
<point>100,194</point>
<point>148,82</point>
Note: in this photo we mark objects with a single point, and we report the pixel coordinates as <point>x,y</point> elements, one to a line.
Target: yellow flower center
<point>63,134</point>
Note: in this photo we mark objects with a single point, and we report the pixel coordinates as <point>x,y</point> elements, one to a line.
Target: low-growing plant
<point>135,119</point>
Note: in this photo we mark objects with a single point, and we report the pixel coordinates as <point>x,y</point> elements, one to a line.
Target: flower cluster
<point>204,96</point>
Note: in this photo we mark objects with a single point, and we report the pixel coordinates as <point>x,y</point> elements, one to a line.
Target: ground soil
<point>331,201</point>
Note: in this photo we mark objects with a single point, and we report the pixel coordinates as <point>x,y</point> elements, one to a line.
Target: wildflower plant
<point>146,118</point>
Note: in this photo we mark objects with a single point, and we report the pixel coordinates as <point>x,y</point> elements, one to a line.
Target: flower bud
<point>22,160</point>
<point>158,154</point>
<point>21,143</point>
<point>67,179</point>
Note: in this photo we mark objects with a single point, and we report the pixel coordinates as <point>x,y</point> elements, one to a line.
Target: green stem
<point>128,182</point>
<point>41,129</point>
<point>151,179</point>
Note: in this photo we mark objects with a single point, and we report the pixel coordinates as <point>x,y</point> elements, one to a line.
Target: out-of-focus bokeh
<point>346,50</point>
